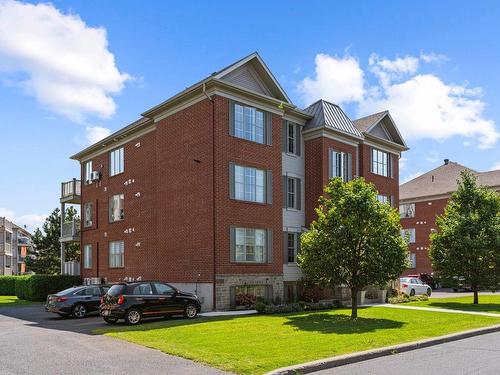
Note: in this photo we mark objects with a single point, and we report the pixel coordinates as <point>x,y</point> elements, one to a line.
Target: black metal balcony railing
<point>70,228</point>
<point>71,188</point>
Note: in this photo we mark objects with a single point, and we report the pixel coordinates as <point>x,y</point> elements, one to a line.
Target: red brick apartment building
<point>424,198</point>
<point>211,189</point>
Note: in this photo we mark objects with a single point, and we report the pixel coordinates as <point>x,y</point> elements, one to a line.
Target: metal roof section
<point>330,115</point>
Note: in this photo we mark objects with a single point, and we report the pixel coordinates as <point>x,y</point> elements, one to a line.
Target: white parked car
<point>413,286</point>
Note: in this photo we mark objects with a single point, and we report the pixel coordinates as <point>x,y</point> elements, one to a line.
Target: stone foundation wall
<point>224,284</point>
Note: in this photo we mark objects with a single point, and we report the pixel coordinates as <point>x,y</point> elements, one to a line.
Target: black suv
<point>77,301</point>
<point>142,299</point>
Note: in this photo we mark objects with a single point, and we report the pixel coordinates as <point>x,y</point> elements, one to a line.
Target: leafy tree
<point>467,243</point>
<point>355,240</point>
<point>46,258</point>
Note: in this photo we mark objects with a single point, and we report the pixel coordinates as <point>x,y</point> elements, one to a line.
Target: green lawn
<point>12,301</point>
<point>487,303</point>
<point>257,344</point>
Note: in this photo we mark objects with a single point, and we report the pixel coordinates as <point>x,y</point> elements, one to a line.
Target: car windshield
<point>68,291</point>
<point>115,290</point>
<point>404,280</point>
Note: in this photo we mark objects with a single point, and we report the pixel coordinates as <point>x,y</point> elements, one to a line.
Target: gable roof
<point>371,125</point>
<point>443,180</point>
<point>260,73</point>
<point>332,116</point>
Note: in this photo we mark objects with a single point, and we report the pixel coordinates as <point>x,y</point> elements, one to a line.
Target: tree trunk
<point>476,296</point>
<point>354,303</point>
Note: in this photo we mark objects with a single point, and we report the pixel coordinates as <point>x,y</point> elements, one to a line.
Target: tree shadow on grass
<point>340,324</point>
<point>482,307</point>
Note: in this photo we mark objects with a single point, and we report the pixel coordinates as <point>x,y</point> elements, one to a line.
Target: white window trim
<point>254,186</point>
<point>88,172</point>
<point>121,264</point>
<point>115,169</point>
<point>295,247</point>
<point>254,128</point>
<point>111,217</point>
<point>264,252</point>
<point>87,256</point>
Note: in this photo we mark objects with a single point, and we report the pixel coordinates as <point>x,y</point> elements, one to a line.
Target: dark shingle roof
<point>330,115</point>
<point>443,180</point>
<point>365,123</point>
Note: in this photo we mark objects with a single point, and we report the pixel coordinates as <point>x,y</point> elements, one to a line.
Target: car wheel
<point>79,311</point>
<point>110,320</point>
<point>429,292</point>
<point>133,317</point>
<point>190,311</point>
<point>412,292</point>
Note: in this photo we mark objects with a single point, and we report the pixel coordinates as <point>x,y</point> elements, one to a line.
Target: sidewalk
<point>227,313</point>
<point>402,306</point>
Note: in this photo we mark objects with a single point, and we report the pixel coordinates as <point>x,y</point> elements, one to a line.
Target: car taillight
<point>61,299</point>
<point>404,285</point>
<point>121,299</point>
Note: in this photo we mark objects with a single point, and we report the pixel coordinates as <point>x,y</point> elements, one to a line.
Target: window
<point>292,139</point>
<point>88,172</point>
<point>116,254</point>
<point>247,295</point>
<point>381,163</point>
<point>292,246</point>
<point>87,256</point>
<point>164,289</point>
<point>407,210</point>
<point>412,257</point>
<point>408,234</point>
<point>249,184</point>
<point>8,261</point>
<point>292,195</point>
<point>249,123</point>
<point>8,237</point>
<point>385,199</point>
<point>142,289</point>
<point>93,291</point>
<point>87,214</point>
<point>250,245</point>
<point>116,161</point>
<point>340,165</point>
<point>116,203</point>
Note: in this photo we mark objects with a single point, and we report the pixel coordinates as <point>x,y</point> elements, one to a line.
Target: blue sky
<point>72,71</point>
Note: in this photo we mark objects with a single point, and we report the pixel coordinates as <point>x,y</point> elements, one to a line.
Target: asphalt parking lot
<point>36,342</point>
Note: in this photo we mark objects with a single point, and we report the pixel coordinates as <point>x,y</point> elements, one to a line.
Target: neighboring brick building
<point>15,243</point>
<point>424,198</point>
<point>211,189</point>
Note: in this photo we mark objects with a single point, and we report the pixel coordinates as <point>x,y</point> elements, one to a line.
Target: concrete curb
<point>327,363</point>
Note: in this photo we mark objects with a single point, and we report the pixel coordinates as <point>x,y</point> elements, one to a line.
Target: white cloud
<point>495,166</point>
<point>411,176</point>
<point>403,163</point>
<point>32,221</point>
<point>426,107</point>
<point>94,134</point>
<point>423,105</point>
<point>337,79</point>
<point>58,59</point>
<point>388,70</point>
<point>432,157</point>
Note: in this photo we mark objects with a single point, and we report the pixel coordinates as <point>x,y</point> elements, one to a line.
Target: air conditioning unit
<point>95,176</point>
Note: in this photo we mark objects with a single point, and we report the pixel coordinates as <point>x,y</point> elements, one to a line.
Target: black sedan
<point>138,300</point>
<point>77,301</point>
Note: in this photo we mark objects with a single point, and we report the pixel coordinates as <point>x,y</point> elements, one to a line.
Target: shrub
<point>405,298</point>
<point>292,307</point>
<point>8,285</point>
<point>37,287</point>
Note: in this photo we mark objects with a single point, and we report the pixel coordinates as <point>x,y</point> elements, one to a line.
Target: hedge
<point>8,285</point>
<point>37,287</point>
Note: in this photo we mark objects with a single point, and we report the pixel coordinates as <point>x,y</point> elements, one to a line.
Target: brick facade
<point>423,222</point>
<point>177,206</point>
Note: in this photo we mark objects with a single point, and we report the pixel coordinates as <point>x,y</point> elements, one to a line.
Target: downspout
<point>213,194</point>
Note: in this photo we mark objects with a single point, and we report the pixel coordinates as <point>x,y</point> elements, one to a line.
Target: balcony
<point>70,231</point>
<point>71,191</point>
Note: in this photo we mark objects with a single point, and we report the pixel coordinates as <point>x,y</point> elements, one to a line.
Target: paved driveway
<point>476,355</point>
<point>35,342</point>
